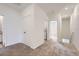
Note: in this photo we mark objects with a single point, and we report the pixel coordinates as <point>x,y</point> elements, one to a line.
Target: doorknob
<point>24,32</point>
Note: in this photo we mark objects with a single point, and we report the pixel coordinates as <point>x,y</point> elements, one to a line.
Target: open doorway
<point>52,25</point>
<point>65,30</point>
<point>1,31</point>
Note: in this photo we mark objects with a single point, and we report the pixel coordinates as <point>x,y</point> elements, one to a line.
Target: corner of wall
<point>36,45</point>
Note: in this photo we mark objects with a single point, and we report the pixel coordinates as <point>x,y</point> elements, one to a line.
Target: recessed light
<point>66,8</point>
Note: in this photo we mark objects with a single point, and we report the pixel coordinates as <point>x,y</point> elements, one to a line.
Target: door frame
<point>3,32</point>
<point>48,29</point>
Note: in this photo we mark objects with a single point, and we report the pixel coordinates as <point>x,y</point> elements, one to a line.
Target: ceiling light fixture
<point>66,8</point>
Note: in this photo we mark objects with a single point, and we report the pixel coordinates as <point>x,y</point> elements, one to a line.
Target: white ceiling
<point>55,8</point>
<point>52,7</point>
<point>49,8</point>
<point>18,6</point>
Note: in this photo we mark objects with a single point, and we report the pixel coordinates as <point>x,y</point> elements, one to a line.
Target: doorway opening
<point>65,30</point>
<point>1,31</point>
<point>52,25</point>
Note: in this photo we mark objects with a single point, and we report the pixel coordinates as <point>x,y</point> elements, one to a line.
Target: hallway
<point>49,48</point>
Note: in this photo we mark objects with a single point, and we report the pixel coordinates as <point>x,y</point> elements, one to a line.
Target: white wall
<point>28,26</point>
<point>75,27</point>
<point>1,21</point>
<point>41,21</point>
<point>1,25</point>
<point>11,25</point>
<point>34,19</point>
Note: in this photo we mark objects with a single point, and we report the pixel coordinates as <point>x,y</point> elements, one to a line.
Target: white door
<point>28,29</point>
<point>53,30</point>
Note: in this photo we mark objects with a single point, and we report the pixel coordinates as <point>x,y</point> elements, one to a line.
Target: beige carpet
<point>49,48</point>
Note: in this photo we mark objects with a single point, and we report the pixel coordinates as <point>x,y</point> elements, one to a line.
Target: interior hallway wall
<point>35,20</point>
<point>76,27</point>
<point>11,25</point>
<point>1,25</point>
<point>1,20</point>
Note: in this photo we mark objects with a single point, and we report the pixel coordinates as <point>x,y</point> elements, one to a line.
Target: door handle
<point>24,32</point>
